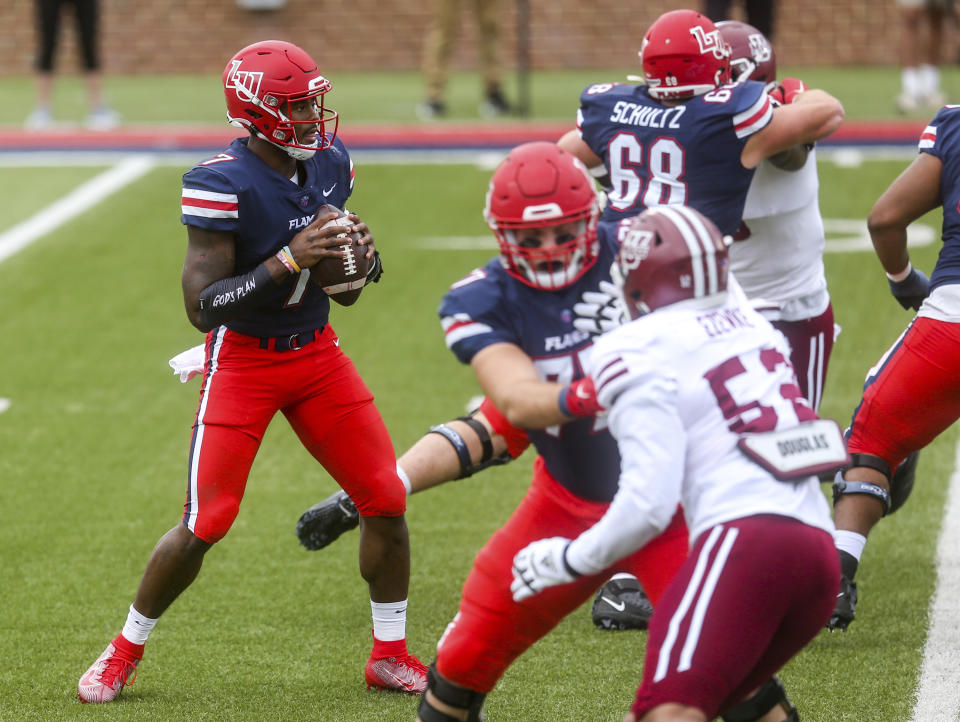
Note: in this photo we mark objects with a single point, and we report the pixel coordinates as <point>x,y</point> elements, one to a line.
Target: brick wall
<point>199,35</point>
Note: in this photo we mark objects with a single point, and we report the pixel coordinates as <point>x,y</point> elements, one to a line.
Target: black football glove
<point>911,291</point>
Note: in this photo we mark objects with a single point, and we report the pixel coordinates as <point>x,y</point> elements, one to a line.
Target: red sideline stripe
<point>437,135</point>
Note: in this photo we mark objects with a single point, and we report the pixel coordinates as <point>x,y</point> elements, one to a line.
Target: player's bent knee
<point>215,520</point>
<point>386,499</point>
<point>442,700</point>
<point>770,695</point>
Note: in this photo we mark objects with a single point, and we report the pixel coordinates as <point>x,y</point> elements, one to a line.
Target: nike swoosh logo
<point>329,190</point>
<point>619,606</point>
<point>336,342</point>
<point>581,394</point>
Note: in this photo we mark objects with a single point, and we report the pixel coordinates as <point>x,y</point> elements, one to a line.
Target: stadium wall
<point>186,36</point>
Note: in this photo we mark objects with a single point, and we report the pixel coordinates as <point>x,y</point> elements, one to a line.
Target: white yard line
<point>79,200</point>
<point>938,692</point>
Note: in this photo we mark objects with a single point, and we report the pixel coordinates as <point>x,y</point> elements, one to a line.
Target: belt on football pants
<point>292,342</point>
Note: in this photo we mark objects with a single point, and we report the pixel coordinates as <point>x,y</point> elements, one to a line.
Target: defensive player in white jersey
<point>704,405</point>
<point>777,256</point>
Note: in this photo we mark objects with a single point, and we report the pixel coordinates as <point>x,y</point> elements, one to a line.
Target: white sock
<point>389,620</point>
<point>404,478</point>
<point>910,81</point>
<point>137,627</point>
<point>850,542</point>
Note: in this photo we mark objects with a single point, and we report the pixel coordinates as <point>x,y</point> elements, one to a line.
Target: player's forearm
<point>823,114</point>
<point>530,404</point>
<point>890,244</point>
<point>228,298</point>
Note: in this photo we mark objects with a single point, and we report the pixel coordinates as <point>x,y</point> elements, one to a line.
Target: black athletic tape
<point>566,564</point>
<point>453,695</point>
<point>459,445</point>
<point>871,461</point>
<point>482,434</point>
<point>770,694</point>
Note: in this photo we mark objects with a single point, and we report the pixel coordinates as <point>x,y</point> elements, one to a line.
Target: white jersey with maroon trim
<point>682,384</point>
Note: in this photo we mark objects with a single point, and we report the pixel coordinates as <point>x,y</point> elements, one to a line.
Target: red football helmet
<point>541,194</point>
<point>751,55</point>
<point>683,55</point>
<point>262,80</point>
<point>670,253</point>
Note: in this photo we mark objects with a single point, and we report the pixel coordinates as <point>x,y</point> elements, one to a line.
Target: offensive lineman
<point>252,238</point>
<point>683,382</point>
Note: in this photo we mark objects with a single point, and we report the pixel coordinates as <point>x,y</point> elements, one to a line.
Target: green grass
<point>867,93</point>
<point>93,453</point>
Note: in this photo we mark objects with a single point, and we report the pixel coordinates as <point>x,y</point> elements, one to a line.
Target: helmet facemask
<point>572,252</point>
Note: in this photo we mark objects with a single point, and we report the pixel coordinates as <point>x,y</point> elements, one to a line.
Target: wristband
<point>566,563</point>
<point>285,260</point>
<point>286,252</point>
<point>897,277</point>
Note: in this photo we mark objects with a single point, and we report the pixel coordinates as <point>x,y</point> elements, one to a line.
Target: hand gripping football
<point>336,275</point>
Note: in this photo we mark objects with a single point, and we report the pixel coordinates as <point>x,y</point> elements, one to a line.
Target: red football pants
<point>491,630</point>
<point>912,395</point>
<point>326,402</point>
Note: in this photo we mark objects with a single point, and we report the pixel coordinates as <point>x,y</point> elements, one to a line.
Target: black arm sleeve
<point>226,299</point>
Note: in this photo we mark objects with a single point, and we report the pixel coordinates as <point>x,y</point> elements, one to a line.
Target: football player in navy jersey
<point>512,321</point>
<point>912,394</point>
<point>689,136</point>
<point>254,232</point>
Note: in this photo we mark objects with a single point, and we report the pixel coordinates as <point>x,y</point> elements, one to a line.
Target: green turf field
<point>867,93</point>
<point>93,462</point>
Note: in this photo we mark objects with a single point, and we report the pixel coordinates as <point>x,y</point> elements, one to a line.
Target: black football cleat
<point>325,521</point>
<point>845,610</point>
<point>621,604</point>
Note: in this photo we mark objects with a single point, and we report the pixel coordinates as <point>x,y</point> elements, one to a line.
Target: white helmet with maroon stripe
<point>670,254</point>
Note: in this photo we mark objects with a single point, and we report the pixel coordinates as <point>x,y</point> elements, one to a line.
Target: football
<point>337,275</point>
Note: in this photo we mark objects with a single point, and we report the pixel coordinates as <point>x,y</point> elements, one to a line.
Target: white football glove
<point>539,565</point>
<point>599,311</point>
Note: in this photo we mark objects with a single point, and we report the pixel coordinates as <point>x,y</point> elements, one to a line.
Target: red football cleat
<point>114,669</point>
<point>391,667</point>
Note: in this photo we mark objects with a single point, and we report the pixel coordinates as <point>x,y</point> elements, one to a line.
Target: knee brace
<point>467,467</point>
<point>842,487</point>
<point>766,698</point>
<point>450,694</point>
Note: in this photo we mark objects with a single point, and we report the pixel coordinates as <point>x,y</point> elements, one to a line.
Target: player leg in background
<point>448,452</point>
<point>811,343</point>
<point>488,33</point>
<point>346,434</point>
<point>490,630</point>
<point>221,452</point>
<point>909,398</point>
<point>436,57</point>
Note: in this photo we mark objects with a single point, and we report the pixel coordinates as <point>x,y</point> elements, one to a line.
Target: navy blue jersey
<point>490,306</point>
<point>237,192</point>
<point>688,154</point>
<point>942,139</point>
